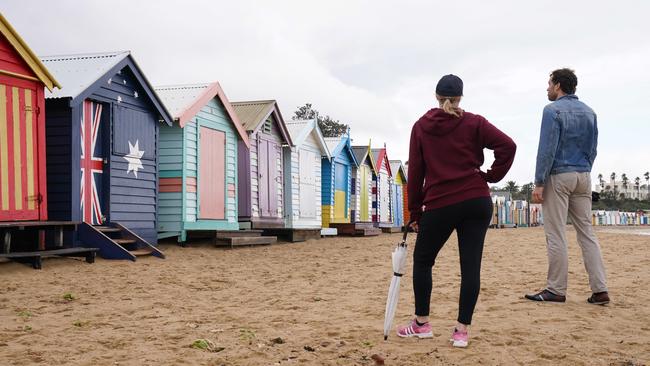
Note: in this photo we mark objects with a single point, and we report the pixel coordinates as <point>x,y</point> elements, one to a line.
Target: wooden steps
<point>116,241</point>
<point>357,229</point>
<point>295,235</point>
<point>238,233</point>
<point>391,229</point>
<point>235,238</point>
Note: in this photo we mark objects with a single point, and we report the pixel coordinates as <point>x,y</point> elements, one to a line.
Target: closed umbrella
<point>399,264</point>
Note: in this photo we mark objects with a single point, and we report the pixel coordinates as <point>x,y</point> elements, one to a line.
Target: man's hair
<point>566,78</point>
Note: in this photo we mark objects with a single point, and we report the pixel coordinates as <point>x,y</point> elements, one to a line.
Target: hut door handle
<point>37,198</point>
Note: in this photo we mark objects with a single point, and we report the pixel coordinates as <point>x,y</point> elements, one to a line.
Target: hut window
<point>267,126</point>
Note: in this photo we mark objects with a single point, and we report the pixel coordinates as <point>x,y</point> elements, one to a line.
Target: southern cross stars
<point>135,154</point>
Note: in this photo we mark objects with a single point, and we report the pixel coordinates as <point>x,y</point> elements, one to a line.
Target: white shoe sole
<point>459,344</point>
<point>418,335</point>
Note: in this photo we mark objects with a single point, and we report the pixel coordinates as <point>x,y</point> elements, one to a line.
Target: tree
<point>646,175</point>
<point>527,191</point>
<point>613,176</point>
<point>637,183</point>
<point>625,181</point>
<point>328,126</point>
<point>601,181</point>
<point>512,187</point>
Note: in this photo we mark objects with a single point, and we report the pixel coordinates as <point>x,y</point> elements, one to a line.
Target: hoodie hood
<point>439,123</point>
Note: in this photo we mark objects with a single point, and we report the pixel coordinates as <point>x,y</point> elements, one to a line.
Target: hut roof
<point>253,114</point>
<point>185,101</point>
<point>37,67</point>
<point>299,130</point>
<point>82,73</point>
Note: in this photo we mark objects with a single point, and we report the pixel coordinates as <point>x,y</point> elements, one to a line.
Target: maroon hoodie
<point>445,156</point>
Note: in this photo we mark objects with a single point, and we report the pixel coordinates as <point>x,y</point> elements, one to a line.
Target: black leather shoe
<point>546,295</point>
<point>599,298</point>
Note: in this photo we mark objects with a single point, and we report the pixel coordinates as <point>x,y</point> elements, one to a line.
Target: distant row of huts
<point>92,154</point>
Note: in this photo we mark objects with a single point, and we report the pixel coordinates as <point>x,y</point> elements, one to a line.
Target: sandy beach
<point>320,303</point>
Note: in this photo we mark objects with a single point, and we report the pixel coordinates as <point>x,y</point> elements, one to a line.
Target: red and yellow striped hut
<point>23,192</point>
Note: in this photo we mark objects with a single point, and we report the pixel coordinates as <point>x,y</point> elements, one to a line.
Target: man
<point>566,153</point>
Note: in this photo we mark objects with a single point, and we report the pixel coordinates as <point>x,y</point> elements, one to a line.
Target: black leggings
<point>471,219</point>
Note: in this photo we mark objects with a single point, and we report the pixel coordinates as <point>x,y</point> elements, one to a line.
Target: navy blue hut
<point>102,140</point>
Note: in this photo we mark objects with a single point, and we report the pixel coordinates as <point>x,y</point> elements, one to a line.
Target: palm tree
<point>512,188</point>
<point>601,181</point>
<point>625,180</point>
<point>613,176</point>
<point>637,182</point>
<point>647,182</point>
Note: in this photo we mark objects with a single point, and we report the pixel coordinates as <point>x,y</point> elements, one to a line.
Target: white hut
<point>302,179</point>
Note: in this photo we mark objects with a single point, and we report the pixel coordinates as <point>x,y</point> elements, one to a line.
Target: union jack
<point>91,165</point>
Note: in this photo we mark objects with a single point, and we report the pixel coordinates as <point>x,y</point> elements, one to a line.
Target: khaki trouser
<point>570,193</point>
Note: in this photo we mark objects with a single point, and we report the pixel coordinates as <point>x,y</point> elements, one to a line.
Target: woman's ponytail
<point>448,106</point>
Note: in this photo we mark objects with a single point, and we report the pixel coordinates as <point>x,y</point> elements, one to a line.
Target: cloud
<point>374,64</point>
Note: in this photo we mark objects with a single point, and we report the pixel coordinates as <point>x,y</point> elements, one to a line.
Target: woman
<point>447,191</point>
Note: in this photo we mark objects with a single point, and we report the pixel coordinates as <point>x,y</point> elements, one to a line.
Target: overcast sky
<point>374,64</point>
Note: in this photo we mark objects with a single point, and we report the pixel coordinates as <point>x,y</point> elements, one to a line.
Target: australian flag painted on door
<point>102,130</point>
<point>92,162</point>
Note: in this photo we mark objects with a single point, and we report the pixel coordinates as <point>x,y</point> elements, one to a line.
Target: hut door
<point>19,194</point>
<point>94,120</point>
<point>267,174</point>
<point>384,198</point>
<point>340,191</point>
<point>212,174</point>
<point>307,184</point>
<point>364,193</point>
<point>399,209</point>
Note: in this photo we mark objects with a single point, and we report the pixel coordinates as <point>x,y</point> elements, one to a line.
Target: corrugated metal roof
<point>252,113</point>
<point>360,152</point>
<point>396,166</point>
<point>297,128</point>
<point>178,97</point>
<point>78,72</point>
<point>375,155</point>
<point>332,143</point>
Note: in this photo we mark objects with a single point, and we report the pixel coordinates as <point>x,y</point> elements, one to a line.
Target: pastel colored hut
<point>302,180</point>
<point>23,78</point>
<point>337,181</point>
<point>102,161</point>
<point>260,169</point>
<point>382,186</point>
<point>364,175</point>
<point>399,186</point>
<point>198,161</point>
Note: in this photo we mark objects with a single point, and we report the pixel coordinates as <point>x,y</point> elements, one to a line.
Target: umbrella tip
<point>385,337</point>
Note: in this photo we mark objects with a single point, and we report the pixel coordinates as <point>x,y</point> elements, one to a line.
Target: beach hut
<point>198,161</point>
<point>102,161</point>
<point>399,186</point>
<point>407,213</point>
<point>24,221</point>
<point>302,181</point>
<point>383,185</point>
<point>364,176</point>
<point>23,78</point>
<point>260,169</point>
<point>337,181</point>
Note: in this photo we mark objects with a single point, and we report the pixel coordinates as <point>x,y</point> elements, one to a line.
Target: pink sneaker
<point>415,330</point>
<point>459,339</point>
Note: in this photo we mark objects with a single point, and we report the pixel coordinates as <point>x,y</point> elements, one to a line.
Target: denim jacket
<point>568,138</point>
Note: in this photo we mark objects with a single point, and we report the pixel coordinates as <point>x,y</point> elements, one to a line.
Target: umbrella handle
<point>406,229</point>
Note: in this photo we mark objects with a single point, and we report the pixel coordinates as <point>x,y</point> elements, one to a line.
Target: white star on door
<point>135,154</point>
